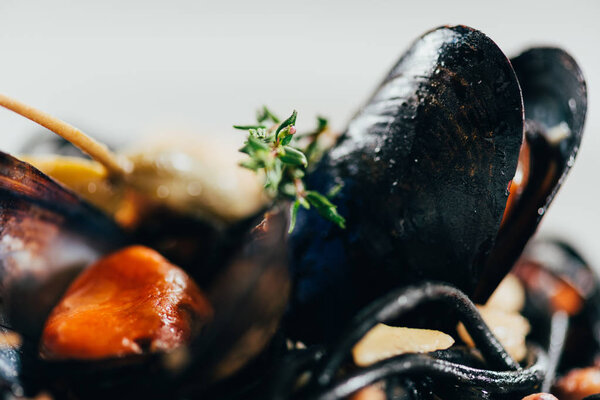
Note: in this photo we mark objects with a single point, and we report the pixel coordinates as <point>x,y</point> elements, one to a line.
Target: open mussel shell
<point>555,98</point>
<point>558,279</point>
<point>554,92</point>
<point>248,296</point>
<point>48,235</point>
<point>425,166</point>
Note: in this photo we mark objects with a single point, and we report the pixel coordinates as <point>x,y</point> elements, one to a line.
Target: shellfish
<point>49,234</point>
<point>425,166</point>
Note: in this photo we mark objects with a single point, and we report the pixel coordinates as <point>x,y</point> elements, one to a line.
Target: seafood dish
<point>393,260</point>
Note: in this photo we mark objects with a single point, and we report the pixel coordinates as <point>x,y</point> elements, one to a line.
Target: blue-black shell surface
<point>425,166</point>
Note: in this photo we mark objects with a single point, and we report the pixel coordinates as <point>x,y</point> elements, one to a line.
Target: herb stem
<point>270,149</point>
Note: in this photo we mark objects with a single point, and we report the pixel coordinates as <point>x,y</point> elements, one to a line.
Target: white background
<point>123,69</point>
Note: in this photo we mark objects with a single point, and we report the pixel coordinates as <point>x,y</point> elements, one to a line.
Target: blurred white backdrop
<point>123,69</point>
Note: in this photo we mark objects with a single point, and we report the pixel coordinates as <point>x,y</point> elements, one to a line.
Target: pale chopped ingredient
<point>509,295</point>
<point>510,328</point>
<point>385,341</point>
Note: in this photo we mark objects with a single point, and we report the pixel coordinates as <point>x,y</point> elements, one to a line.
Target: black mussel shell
<point>248,296</point>
<point>425,167</point>
<point>558,279</point>
<point>555,98</point>
<point>49,234</point>
<point>198,246</point>
<point>554,92</point>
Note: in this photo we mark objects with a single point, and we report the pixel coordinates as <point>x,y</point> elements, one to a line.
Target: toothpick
<point>114,164</point>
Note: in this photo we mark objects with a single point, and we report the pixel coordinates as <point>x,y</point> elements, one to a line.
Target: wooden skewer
<point>115,165</point>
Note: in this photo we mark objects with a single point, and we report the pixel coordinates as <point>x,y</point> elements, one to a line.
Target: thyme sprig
<point>284,166</point>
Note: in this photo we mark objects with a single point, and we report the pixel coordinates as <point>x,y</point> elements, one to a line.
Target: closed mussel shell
<point>425,166</point>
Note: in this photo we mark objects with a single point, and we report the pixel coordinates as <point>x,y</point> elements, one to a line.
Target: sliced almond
<point>385,341</point>
<point>509,295</point>
<point>510,328</point>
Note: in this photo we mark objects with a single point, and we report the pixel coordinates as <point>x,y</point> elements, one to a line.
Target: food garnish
<point>271,152</point>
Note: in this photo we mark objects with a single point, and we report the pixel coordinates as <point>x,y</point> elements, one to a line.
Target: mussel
<point>48,234</point>
<point>425,167</point>
<point>555,98</point>
<point>559,280</point>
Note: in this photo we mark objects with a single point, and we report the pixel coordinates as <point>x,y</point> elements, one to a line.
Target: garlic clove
<point>508,296</point>
<point>510,328</point>
<point>384,341</point>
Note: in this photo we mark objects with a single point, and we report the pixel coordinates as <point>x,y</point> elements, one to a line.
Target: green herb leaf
<point>334,191</point>
<point>248,127</point>
<point>245,149</point>
<point>286,140</point>
<point>256,144</point>
<point>252,164</point>
<point>293,156</point>
<point>265,114</point>
<point>304,203</point>
<point>322,123</point>
<point>288,189</point>
<point>269,151</point>
<point>297,173</point>
<point>311,149</point>
<point>325,208</point>
<point>318,200</point>
<point>285,135</point>
<point>273,176</point>
<point>291,120</point>
<point>293,214</point>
